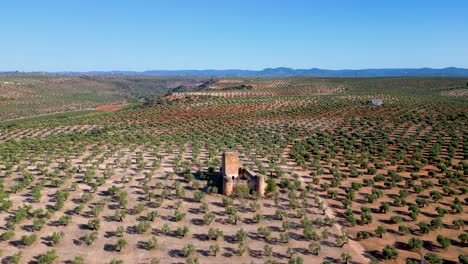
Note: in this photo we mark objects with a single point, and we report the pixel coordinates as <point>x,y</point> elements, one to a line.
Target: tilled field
<point>348,181</point>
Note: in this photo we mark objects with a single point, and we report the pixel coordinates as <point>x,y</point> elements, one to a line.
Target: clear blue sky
<point>83,35</point>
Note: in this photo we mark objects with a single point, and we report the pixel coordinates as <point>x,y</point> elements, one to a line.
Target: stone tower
<point>234,175</point>
<point>230,171</point>
<point>261,185</point>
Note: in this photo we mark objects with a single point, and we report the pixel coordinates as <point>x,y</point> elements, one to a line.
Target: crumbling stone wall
<point>233,174</point>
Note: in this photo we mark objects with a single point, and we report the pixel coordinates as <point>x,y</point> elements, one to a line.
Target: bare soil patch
<point>109,107</point>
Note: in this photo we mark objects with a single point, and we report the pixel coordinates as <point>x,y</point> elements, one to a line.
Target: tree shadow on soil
<point>201,237</point>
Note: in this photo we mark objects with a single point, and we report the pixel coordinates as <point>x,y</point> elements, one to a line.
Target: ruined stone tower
<point>261,185</point>
<point>230,171</point>
<point>233,174</point>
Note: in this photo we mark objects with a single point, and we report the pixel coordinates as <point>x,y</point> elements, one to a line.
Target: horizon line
<point>235,69</point>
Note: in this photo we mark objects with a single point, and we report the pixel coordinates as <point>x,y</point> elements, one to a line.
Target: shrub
<point>424,228</point>
<point>350,217</point>
<point>463,259</point>
<point>241,249</point>
<point>198,196</point>
<point>458,223</point>
<point>78,208</point>
<point>389,252</point>
<point>214,234</point>
<point>436,196</point>
<point>366,217</point>
<point>309,233</point>
<point>345,257</point>
<point>379,178</point>
<point>179,215</point>
<point>166,229</point>
<point>373,260</point>
<point>7,235</point>
<point>314,248</point>
<point>188,250</point>
<point>16,258</point>
<point>242,191</point>
<point>78,260</point>
<point>138,209</point>
<point>152,243</point>
<point>143,227</point>
<point>368,182</point>
<point>356,186</point>
<point>280,214</point>
<point>49,257</point>
<point>443,241</point>
<point>380,231</point>
<point>90,238</point>
<point>6,205</point>
<point>363,235</point>
<point>463,239</point>
<point>204,207</point>
<point>215,249</point>
<point>436,223</point>
<point>415,244</point>
<point>189,177</point>
<point>153,215</point>
<point>403,194</point>
<point>384,207</point>
<point>418,188</point>
<point>94,224</point>
<point>120,215</point>
<point>371,198</point>
<point>56,237</point>
<point>241,235</point>
<point>413,216</point>
<point>422,202</point>
<point>183,231</point>
<point>284,237</point>
<point>432,258</point>
<point>267,250</point>
<point>350,194</point>
<point>265,232</point>
<point>38,224</point>
<point>234,219</point>
<point>396,219</point>
<point>208,218</point>
<point>212,189</point>
<point>28,240</point>
<point>121,243</point>
<point>119,231</point>
<point>231,210</point>
<point>65,220</point>
<point>290,252</point>
<point>441,211</point>
<point>341,241</point>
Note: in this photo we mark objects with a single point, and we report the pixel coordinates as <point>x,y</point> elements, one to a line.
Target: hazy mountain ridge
<point>283,71</point>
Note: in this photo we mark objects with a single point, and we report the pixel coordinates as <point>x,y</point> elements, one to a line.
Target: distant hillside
<point>284,72</point>
<point>446,72</point>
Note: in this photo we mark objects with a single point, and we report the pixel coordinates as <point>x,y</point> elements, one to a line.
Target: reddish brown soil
<point>109,107</point>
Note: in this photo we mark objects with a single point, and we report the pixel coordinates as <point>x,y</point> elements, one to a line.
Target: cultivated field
<point>31,95</point>
<point>348,181</point>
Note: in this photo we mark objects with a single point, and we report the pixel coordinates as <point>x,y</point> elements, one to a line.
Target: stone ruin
<point>377,102</point>
<point>235,175</point>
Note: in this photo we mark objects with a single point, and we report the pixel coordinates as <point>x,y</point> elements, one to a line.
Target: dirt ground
<point>109,107</point>
<point>169,249</point>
